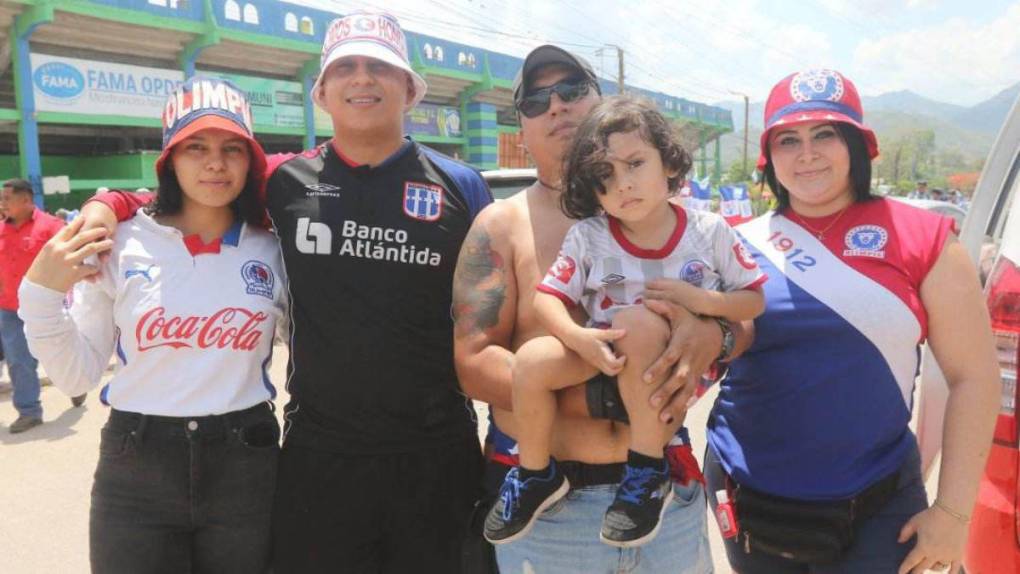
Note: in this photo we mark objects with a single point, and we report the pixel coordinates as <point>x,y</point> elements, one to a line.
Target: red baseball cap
<point>209,103</point>
<point>812,96</point>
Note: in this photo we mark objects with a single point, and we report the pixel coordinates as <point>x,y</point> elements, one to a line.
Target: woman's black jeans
<point>184,494</point>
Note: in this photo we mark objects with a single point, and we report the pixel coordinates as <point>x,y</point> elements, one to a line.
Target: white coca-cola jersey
<point>601,269</point>
<point>192,324</point>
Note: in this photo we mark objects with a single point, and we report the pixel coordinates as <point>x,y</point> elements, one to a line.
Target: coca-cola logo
<point>231,327</point>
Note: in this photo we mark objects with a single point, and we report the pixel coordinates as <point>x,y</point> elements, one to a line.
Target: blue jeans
<point>875,548</point>
<point>565,538</point>
<point>20,364</point>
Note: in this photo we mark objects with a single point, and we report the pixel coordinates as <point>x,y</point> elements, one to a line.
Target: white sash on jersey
<point>879,315</point>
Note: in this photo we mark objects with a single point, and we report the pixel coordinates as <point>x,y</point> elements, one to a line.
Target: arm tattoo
<point>479,285</point>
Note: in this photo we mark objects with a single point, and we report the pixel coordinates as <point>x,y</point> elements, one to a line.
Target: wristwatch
<point>728,340</point>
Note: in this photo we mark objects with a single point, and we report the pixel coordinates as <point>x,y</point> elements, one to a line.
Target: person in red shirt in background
<point>23,233</point>
<point>3,216</point>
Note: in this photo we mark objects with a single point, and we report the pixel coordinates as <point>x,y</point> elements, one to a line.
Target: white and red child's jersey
<point>192,324</point>
<point>600,268</point>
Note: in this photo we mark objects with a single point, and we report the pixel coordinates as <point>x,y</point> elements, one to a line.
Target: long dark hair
<point>170,198</point>
<point>585,164</point>
<point>860,167</point>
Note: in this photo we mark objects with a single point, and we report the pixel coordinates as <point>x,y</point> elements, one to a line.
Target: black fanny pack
<point>801,530</point>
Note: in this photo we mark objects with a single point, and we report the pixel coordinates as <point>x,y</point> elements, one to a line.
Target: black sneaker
<point>520,502</point>
<point>636,512</point>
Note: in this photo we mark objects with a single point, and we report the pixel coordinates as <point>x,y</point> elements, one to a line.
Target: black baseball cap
<point>544,56</point>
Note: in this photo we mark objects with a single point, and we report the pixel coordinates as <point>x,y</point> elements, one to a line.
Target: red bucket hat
<point>812,96</point>
<point>204,102</point>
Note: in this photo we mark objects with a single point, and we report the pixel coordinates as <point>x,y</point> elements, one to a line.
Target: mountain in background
<point>989,114</point>
<point>969,130</point>
<point>908,102</point>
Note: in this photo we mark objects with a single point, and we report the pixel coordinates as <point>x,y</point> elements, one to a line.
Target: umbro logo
<point>612,279</point>
<point>322,189</point>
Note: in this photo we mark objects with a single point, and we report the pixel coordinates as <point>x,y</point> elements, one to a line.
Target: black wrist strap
<point>728,342</point>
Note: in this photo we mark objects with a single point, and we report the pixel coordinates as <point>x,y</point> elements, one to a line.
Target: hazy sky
<point>959,51</point>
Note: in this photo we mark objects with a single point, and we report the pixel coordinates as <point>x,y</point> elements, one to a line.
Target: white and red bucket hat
<point>371,34</point>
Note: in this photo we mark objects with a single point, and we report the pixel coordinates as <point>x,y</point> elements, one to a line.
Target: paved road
<point>46,475</point>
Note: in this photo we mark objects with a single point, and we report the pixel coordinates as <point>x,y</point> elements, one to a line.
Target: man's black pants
<point>378,514</point>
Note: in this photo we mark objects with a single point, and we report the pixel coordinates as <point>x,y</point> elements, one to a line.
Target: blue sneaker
<point>636,513</point>
<point>521,501</point>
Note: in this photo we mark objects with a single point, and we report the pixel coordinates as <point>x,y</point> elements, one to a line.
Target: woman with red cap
<point>812,466</point>
<point>189,301</point>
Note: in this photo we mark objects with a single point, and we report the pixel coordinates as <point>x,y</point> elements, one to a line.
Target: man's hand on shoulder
<point>61,261</point>
<point>98,215</point>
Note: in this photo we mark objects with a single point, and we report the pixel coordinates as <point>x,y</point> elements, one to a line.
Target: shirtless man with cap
<point>507,252</point>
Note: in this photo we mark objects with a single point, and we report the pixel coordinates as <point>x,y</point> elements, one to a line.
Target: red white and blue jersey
<point>191,323</point>
<point>818,407</point>
<point>602,270</point>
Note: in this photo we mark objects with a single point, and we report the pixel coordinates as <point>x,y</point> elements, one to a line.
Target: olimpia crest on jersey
<point>423,201</point>
<point>258,277</point>
<point>866,241</point>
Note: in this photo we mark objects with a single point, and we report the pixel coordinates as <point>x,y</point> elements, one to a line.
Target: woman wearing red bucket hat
<point>811,456</point>
<point>189,301</point>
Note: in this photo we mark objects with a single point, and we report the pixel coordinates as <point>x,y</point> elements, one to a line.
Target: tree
<point>907,158</point>
<point>735,173</point>
<point>950,160</point>
<point>922,144</point>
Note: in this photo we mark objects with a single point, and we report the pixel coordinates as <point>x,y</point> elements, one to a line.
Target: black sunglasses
<point>537,102</point>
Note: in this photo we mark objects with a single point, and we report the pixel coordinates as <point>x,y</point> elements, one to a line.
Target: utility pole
<point>619,54</point>
<point>747,109</point>
<point>619,60</point>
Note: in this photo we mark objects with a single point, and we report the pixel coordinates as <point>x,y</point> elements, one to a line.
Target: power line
<point>476,23</point>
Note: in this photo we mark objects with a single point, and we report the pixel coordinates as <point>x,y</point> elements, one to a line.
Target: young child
<point>631,244</point>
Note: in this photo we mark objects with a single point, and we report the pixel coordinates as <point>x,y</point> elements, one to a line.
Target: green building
<point>82,84</point>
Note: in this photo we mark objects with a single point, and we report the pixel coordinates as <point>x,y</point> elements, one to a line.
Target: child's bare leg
<point>541,367</point>
<point>646,338</point>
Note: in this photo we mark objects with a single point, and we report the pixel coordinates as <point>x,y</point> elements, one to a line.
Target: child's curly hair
<point>586,165</point>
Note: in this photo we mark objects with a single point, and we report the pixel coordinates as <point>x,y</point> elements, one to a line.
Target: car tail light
<point>1004,307</point>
